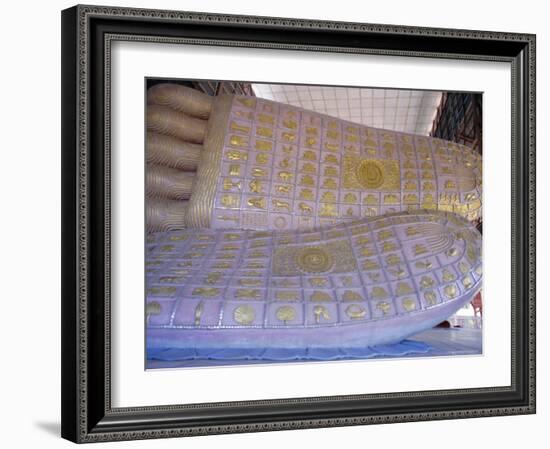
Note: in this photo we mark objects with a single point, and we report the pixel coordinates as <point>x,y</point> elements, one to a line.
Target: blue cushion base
<point>406,347</point>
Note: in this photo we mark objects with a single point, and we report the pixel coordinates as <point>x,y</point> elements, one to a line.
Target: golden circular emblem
<point>244,314</point>
<point>286,313</point>
<point>313,259</point>
<point>369,174</point>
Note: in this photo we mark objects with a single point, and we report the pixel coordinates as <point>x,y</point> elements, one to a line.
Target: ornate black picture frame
<point>87,34</point>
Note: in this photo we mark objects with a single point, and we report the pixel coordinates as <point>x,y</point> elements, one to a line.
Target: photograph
<point>295,223</point>
<point>271,225</point>
<point>281,222</point>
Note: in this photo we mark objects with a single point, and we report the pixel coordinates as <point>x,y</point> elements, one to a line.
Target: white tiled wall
<point>400,110</point>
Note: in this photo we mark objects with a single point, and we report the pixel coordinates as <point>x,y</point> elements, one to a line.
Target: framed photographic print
<point>283,223</point>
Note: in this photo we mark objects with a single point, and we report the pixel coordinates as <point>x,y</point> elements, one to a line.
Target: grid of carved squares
<point>283,167</point>
<point>414,281</point>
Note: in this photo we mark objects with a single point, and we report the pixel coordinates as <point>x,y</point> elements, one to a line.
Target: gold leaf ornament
<point>369,174</point>
<point>286,313</point>
<point>244,314</point>
<point>355,311</point>
<point>313,259</point>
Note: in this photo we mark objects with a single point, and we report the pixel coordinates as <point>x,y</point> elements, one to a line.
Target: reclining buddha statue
<point>242,162</point>
<point>271,226</point>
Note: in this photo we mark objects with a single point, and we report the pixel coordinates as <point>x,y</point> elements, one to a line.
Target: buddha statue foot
<point>244,162</point>
<point>361,283</point>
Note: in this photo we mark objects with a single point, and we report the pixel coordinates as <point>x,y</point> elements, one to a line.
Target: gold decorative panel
<point>379,174</point>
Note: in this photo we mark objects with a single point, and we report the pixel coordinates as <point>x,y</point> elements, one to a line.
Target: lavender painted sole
<point>363,283</point>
